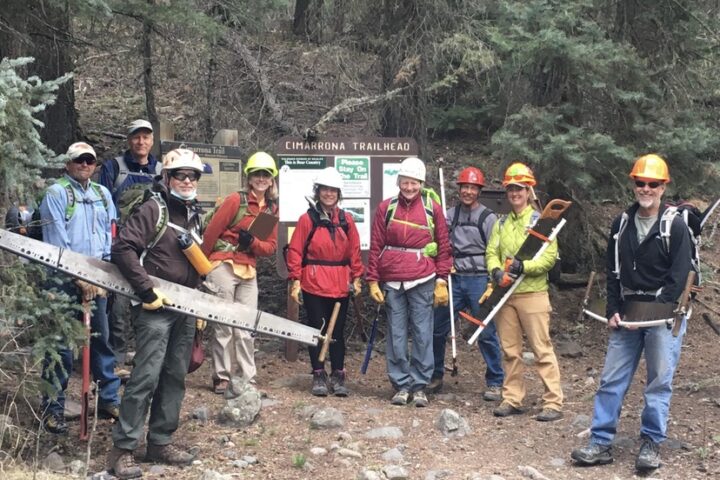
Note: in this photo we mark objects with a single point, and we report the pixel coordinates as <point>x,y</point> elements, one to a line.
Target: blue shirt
<point>136,173</point>
<point>88,230</point>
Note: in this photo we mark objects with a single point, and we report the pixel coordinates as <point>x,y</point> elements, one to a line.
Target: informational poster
<point>359,209</point>
<point>389,179</point>
<point>297,175</point>
<point>355,172</point>
<point>225,167</point>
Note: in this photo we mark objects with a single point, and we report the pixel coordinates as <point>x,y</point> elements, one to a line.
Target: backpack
<point>481,220</point>
<point>694,220</point>
<point>222,245</point>
<point>556,271</point>
<point>429,195</point>
<point>314,215</point>
<point>34,228</point>
<point>123,172</point>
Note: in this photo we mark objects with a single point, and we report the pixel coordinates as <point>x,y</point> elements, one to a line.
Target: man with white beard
<point>645,267</point>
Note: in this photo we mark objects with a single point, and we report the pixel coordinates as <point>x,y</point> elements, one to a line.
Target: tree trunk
<point>307,20</point>
<point>147,69</point>
<point>42,30</point>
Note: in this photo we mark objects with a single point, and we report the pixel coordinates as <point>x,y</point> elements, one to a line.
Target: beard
<point>647,202</point>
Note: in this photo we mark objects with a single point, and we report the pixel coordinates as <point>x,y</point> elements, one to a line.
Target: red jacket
<point>387,265</point>
<point>332,281</point>
<point>219,229</point>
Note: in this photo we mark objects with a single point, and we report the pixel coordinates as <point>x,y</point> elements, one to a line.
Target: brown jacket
<point>166,260</point>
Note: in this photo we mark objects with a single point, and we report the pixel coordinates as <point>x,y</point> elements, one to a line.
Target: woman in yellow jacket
<point>528,308</point>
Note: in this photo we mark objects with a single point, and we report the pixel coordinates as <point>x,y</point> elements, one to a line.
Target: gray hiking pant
<point>164,341</point>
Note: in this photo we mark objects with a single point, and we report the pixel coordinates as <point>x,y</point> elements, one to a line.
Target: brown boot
<point>168,454</point>
<point>121,463</point>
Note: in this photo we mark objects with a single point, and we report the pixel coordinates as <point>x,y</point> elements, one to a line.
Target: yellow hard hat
<point>650,166</point>
<point>261,161</point>
<point>520,174</point>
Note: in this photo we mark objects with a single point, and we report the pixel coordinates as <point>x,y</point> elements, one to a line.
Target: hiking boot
<point>168,454</point>
<point>593,454</point>
<point>320,381</point>
<point>549,415</point>
<point>401,398</point>
<point>420,399</point>
<point>505,410</point>
<point>493,393</point>
<point>107,412</point>
<point>121,464</point>
<point>219,386</point>
<point>649,455</point>
<point>435,385</point>
<point>55,423</point>
<point>337,383</point>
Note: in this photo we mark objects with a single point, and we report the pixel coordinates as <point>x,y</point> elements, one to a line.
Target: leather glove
<point>154,300</point>
<point>357,286</point>
<point>440,295</point>
<point>245,239</point>
<point>486,294</point>
<point>501,279</point>
<point>295,292</point>
<point>375,293</point>
<point>515,268</point>
<point>200,324</point>
<point>90,291</point>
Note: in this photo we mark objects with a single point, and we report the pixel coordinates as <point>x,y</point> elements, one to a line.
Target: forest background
<point>575,88</point>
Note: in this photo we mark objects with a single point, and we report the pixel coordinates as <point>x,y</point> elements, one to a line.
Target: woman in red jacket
<point>324,261</point>
<point>232,250</point>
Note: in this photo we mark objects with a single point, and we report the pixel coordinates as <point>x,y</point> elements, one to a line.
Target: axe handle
<point>329,332</point>
<point>586,298</point>
<point>683,302</point>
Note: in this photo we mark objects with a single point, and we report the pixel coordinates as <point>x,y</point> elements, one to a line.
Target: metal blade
<point>187,300</point>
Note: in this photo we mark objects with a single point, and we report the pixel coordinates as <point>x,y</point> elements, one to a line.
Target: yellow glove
<point>486,294</point>
<point>375,292</point>
<point>155,305</point>
<point>295,292</point>
<point>357,286</point>
<point>440,295</point>
<point>200,324</point>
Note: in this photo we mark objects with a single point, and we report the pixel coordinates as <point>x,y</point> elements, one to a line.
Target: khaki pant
<point>528,313</point>
<point>232,346</point>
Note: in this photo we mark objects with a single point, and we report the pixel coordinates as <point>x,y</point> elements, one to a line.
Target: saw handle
<point>329,332</point>
<point>555,209</point>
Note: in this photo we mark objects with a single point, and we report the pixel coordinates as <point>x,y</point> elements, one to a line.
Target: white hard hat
<point>139,125</point>
<point>182,158</point>
<point>329,177</point>
<point>412,167</point>
<point>78,149</point>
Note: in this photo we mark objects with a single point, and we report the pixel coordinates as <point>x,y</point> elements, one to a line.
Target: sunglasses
<point>182,176</point>
<point>261,173</point>
<point>86,159</point>
<point>653,185</point>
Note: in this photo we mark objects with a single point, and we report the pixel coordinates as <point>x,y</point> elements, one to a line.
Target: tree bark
<point>147,69</point>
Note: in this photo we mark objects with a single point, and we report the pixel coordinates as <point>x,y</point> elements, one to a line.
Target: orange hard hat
<point>520,174</point>
<point>471,175</point>
<point>650,166</point>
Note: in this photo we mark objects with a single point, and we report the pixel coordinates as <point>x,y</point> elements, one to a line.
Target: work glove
<point>486,294</point>
<point>357,286</point>
<point>440,295</point>
<point>375,293</point>
<point>295,292</point>
<point>501,279</point>
<point>90,291</point>
<point>154,300</point>
<point>431,250</point>
<point>200,324</point>
<point>515,267</point>
<point>245,239</point>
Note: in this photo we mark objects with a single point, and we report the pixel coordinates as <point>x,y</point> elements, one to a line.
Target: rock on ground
<point>327,418</point>
<point>243,403</point>
<point>451,424</point>
<point>384,432</point>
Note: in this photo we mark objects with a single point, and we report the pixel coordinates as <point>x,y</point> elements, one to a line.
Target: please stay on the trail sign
<point>368,166</point>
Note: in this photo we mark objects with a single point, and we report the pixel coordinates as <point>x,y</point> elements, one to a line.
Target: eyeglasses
<point>86,159</point>
<point>653,185</point>
<point>182,176</point>
<point>261,173</point>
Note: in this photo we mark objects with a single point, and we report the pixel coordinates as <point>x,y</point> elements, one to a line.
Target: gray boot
<point>337,383</point>
<point>320,381</point>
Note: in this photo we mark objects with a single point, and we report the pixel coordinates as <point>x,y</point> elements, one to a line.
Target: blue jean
<point>662,353</point>
<point>466,291</point>
<point>410,312</point>
<point>102,364</point>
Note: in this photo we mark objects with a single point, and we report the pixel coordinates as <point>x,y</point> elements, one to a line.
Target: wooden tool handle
<point>555,208</point>
<point>329,332</point>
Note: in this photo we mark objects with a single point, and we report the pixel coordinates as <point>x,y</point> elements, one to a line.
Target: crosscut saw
<point>184,300</point>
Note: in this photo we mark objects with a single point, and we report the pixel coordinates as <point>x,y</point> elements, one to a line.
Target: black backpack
<point>314,215</point>
<point>457,223</point>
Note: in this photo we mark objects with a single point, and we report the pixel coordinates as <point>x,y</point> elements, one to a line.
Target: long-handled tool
<point>450,290</point>
<point>85,395</point>
<point>329,333</point>
<point>371,342</point>
<point>586,298</point>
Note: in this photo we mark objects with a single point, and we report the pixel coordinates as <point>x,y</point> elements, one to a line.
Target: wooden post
<point>293,313</point>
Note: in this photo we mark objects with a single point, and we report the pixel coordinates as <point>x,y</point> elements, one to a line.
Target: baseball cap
<point>138,125</point>
<point>79,149</point>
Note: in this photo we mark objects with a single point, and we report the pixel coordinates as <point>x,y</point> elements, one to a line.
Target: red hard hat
<point>471,175</point>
